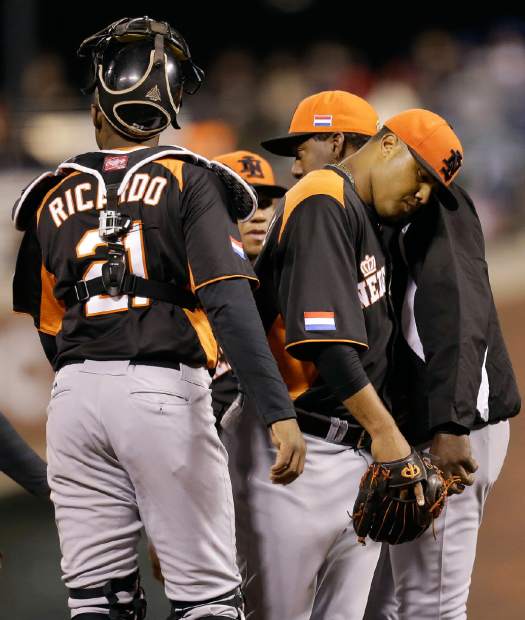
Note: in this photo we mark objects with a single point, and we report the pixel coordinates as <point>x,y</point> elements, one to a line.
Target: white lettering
<point>70,203</point>
<point>138,187</point>
<point>381,280</point>
<point>361,291</point>
<point>372,287</point>
<point>56,208</point>
<point>79,199</point>
<point>154,191</point>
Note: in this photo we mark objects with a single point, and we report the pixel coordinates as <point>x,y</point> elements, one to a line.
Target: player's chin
<point>396,213</point>
<point>392,212</point>
<point>253,247</point>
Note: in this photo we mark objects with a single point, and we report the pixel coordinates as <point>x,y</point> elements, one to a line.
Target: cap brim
<point>285,145</point>
<point>273,191</point>
<point>442,192</point>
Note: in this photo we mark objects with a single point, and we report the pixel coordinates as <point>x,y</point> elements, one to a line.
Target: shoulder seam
<point>51,191</point>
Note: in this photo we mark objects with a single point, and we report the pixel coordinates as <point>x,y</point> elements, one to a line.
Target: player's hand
<point>291,451</point>
<point>155,564</point>
<point>453,455</point>
<point>390,445</point>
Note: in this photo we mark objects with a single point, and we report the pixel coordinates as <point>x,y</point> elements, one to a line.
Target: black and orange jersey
<point>324,277</point>
<point>181,233</point>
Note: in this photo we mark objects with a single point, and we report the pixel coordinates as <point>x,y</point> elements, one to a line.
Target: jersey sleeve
<point>318,287</point>
<point>33,286</point>
<point>213,242</point>
<point>27,288</point>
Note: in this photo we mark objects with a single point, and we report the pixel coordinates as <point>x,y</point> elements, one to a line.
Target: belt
<point>161,363</point>
<point>334,430</point>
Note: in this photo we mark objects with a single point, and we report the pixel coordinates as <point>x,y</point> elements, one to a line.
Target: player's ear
<point>338,144</point>
<point>389,145</point>
<point>96,116</point>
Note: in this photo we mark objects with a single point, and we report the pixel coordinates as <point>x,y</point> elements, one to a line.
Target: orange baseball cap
<point>254,169</point>
<point>325,112</point>
<point>431,141</point>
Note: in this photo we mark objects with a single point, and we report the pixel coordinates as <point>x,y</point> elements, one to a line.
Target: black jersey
<point>324,277</point>
<point>181,233</point>
<point>453,363</point>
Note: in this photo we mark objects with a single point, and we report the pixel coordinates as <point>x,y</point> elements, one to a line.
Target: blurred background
<point>261,58</point>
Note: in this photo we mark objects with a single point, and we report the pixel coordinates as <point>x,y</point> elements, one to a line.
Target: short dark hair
<point>382,132</point>
<point>356,140</point>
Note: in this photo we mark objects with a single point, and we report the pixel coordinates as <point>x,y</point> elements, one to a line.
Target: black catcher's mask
<point>141,67</point>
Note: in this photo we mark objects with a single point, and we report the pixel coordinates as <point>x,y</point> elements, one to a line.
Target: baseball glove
<point>386,508</point>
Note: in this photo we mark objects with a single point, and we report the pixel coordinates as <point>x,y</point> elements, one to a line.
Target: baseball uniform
<point>131,436</point>
<point>324,279</point>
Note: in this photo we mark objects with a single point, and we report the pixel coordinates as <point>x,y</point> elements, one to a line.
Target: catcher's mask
<point>141,67</point>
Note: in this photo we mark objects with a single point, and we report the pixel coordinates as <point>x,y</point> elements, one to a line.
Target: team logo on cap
<point>452,164</point>
<point>322,120</point>
<point>251,167</point>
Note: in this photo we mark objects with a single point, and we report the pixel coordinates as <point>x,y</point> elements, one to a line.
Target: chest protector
<point>113,225</point>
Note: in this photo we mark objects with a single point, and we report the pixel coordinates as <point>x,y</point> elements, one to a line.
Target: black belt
<point>132,285</point>
<point>334,430</point>
<point>135,362</point>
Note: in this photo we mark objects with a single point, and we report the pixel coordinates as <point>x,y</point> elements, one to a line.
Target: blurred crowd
<point>479,85</point>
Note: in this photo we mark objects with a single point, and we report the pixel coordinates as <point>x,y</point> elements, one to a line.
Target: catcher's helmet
<point>141,67</point>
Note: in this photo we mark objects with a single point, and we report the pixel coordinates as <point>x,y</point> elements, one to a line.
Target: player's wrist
<point>383,426</point>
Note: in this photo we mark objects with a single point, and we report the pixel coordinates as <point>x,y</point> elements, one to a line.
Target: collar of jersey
<point>370,211</point>
<point>123,149</point>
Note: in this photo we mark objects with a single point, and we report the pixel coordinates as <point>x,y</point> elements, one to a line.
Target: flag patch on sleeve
<point>322,120</point>
<point>238,248</point>
<point>319,321</point>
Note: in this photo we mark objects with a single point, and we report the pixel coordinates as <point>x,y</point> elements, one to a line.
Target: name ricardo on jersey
<point>141,188</point>
<point>373,287</point>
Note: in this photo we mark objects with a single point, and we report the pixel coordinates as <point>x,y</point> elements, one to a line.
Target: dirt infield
<point>497,583</point>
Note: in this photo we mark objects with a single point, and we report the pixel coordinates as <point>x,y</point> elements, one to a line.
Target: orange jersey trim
<point>230,277</point>
<point>293,344</point>
<point>174,166</point>
<point>201,325</point>
<point>298,375</point>
<point>316,183</point>
<point>51,310</point>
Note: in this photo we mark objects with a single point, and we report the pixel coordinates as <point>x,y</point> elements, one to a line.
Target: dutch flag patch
<point>319,321</point>
<point>322,120</point>
<point>237,247</point>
